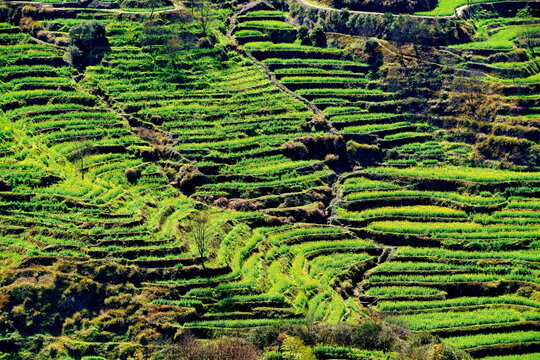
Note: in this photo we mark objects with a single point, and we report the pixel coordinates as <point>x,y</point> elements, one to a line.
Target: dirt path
<point>386,255</point>
<point>269,74</point>
<point>458,12</point>
<point>177,6</point>
<point>306,3</point>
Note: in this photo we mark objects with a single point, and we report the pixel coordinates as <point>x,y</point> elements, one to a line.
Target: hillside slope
<point>351,173</point>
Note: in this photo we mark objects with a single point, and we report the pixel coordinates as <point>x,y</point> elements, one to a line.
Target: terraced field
<point>453,276</point>
<point>344,218</point>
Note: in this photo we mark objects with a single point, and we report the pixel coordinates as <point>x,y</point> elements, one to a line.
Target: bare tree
<point>473,98</point>
<point>82,149</point>
<point>153,4</point>
<point>176,46</point>
<point>200,233</point>
<point>221,349</point>
<point>528,32</point>
<point>191,5</point>
<point>204,16</point>
<point>529,38</point>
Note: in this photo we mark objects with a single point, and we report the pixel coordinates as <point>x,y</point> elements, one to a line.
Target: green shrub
<point>372,50</point>
<point>303,35</point>
<point>274,356</point>
<point>87,37</point>
<point>363,154</point>
<point>371,335</point>
<point>318,37</point>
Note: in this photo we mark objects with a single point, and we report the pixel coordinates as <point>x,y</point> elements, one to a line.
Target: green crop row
<point>410,134</point>
<point>181,302</point>
<point>444,229</point>
<point>330,265</point>
<point>266,24</point>
<point>532,356</point>
<point>421,211</point>
<point>312,71</point>
<point>242,33</point>
<point>449,278</point>
<point>459,173</point>
<point>235,324</point>
<point>375,127</point>
<point>390,291</point>
<point>265,13</point>
<point>365,116</point>
<point>456,302</point>
<point>319,80</point>
<point>447,7</point>
<point>435,320</point>
<point>468,255</point>
<point>502,39</point>
<point>267,45</point>
<point>457,197</point>
<point>361,184</point>
<point>471,341</point>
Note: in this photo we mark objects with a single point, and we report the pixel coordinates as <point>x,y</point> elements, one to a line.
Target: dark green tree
<point>373,51</point>
<point>303,35</point>
<point>318,36</point>
<point>88,35</point>
<point>88,38</point>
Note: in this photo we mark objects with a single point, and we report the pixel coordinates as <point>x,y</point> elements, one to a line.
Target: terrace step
<point>164,262</point>
<point>354,68</point>
<point>420,272</point>
<point>508,348</point>
<point>247,305</point>
<point>117,235</point>
<point>365,138</point>
<point>367,299</point>
<point>289,54</point>
<point>310,255</point>
<point>296,73</point>
<point>392,239</point>
<point>464,289</point>
<point>244,18</point>
<point>255,313</point>
<point>487,328</point>
<point>339,125</point>
<point>347,99</point>
<point>60,247</point>
<point>335,84</point>
<point>316,237</point>
<point>365,222</point>
<point>128,243</point>
<point>448,184</point>
<point>55,61</point>
<point>132,254</point>
<point>320,193</point>
<point>184,273</point>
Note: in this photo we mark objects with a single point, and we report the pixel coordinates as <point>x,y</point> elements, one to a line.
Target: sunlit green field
<point>448,7</point>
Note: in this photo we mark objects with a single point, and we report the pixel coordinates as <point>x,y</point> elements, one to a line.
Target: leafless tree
<point>191,5</point>
<point>528,35</point>
<point>473,98</point>
<point>200,232</point>
<point>204,16</point>
<point>153,4</point>
<point>220,349</point>
<point>82,149</point>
